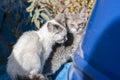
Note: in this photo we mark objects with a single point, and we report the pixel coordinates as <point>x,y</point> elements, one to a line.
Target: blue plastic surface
<point>63,74</point>
<point>101,44</point>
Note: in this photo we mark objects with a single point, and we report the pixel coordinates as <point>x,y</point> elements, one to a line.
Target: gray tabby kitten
<point>32,50</point>
<point>75,25</point>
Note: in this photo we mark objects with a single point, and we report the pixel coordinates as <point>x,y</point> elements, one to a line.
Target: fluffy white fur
<point>32,49</point>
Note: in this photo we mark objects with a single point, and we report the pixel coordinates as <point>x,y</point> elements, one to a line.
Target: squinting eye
<point>72,25</point>
<point>81,24</point>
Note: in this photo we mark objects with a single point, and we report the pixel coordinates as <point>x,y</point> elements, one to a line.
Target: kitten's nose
<point>78,28</point>
<point>65,38</point>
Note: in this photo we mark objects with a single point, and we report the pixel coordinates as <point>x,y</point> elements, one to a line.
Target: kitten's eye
<point>63,21</point>
<point>81,25</point>
<point>72,25</point>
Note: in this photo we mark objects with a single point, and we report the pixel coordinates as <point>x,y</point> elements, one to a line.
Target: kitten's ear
<point>50,26</point>
<point>60,18</point>
<point>67,15</point>
<point>83,13</point>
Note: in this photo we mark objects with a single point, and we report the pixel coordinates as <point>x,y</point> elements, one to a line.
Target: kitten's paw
<point>39,77</point>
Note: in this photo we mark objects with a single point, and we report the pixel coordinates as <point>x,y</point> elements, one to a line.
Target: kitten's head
<point>58,32</point>
<point>76,23</point>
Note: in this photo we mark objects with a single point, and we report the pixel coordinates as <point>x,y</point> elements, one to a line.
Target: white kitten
<point>33,48</point>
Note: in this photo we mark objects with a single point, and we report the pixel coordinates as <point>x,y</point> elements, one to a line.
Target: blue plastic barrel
<point>101,44</point>
<point>102,40</point>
